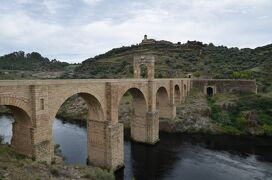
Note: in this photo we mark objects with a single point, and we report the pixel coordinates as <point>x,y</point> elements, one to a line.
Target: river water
<point>175,156</point>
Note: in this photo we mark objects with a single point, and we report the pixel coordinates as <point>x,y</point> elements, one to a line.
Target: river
<point>176,156</point>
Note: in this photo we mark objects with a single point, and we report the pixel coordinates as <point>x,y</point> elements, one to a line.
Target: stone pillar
<point>152,127</point>
<point>41,132</point>
<point>152,116</point>
<point>105,144</point>
<point>106,136</point>
<point>145,128</point>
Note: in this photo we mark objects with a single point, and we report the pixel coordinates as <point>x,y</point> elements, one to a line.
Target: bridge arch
<point>94,119</point>
<point>177,94</point>
<point>184,90</point>
<point>21,140</point>
<point>95,109</point>
<point>163,103</point>
<point>138,113</point>
<point>16,101</point>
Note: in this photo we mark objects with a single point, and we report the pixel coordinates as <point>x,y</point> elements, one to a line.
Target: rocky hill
<point>177,60</point>
<point>19,65</point>
<point>31,61</point>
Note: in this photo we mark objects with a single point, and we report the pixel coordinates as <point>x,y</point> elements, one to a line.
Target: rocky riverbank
<point>15,166</point>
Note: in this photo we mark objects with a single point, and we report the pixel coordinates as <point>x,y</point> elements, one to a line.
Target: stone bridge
<point>34,104</point>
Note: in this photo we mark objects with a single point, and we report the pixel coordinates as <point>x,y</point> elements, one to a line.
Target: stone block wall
<point>225,85</point>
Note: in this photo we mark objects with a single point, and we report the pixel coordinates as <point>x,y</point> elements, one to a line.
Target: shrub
<point>1,139</point>
<point>264,119</point>
<point>241,122</point>
<point>267,129</point>
<point>54,172</point>
<point>230,130</point>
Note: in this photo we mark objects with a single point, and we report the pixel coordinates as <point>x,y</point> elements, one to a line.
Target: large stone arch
<point>96,124</point>
<point>21,140</point>
<point>96,110</point>
<point>138,122</point>
<point>16,101</point>
<point>163,103</point>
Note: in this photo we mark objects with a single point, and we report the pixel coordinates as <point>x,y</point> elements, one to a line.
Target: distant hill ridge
<point>177,60</point>
<point>30,61</point>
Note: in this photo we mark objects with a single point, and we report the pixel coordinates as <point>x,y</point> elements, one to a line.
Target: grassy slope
<point>15,166</point>
<point>179,60</point>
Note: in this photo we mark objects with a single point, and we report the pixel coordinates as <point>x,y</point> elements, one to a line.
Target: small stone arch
<point>209,90</point>
<point>163,103</point>
<point>139,111</point>
<point>177,94</point>
<point>184,90</point>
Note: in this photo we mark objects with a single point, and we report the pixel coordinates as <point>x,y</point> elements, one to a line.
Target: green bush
<point>230,130</point>
<point>241,122</point>
<point>267,129</point>
<point>264,119</point>
<point>1,139</point>
<point>54,172</point>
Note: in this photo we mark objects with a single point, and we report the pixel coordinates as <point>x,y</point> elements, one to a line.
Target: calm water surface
<point>175,156</point>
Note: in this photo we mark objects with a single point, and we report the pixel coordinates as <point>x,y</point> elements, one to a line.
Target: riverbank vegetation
<point>242,113</point>
<point>16,166</point>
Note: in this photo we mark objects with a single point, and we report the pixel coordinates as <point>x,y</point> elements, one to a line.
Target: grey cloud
<point>77,29</point>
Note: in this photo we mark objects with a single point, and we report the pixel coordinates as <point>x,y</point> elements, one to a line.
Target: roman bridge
<point>34,104</point>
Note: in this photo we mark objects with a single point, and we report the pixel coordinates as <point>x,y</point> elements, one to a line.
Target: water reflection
<point>72,139</point>
<point>175,156</point>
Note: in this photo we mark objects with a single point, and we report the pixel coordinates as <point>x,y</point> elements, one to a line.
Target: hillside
<point>177,60</point>
<point>18,65</point>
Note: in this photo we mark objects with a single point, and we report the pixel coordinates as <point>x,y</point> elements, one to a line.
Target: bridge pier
<point>145,128</point>
<point>41,131</point>
<point>105,144</point>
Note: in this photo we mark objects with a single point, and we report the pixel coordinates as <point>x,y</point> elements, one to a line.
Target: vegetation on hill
<point>242,113</point>
<point>177,60</point>
<point>31,62</point>
<point>18,65</point>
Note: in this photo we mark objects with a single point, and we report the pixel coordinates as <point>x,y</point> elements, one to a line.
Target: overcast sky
<point>73,30</point>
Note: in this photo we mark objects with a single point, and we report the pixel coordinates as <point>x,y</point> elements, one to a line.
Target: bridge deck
<point>78,81</point>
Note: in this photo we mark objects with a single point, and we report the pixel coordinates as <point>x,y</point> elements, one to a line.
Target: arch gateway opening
<point>209,91</point>
<point>144,66</point>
